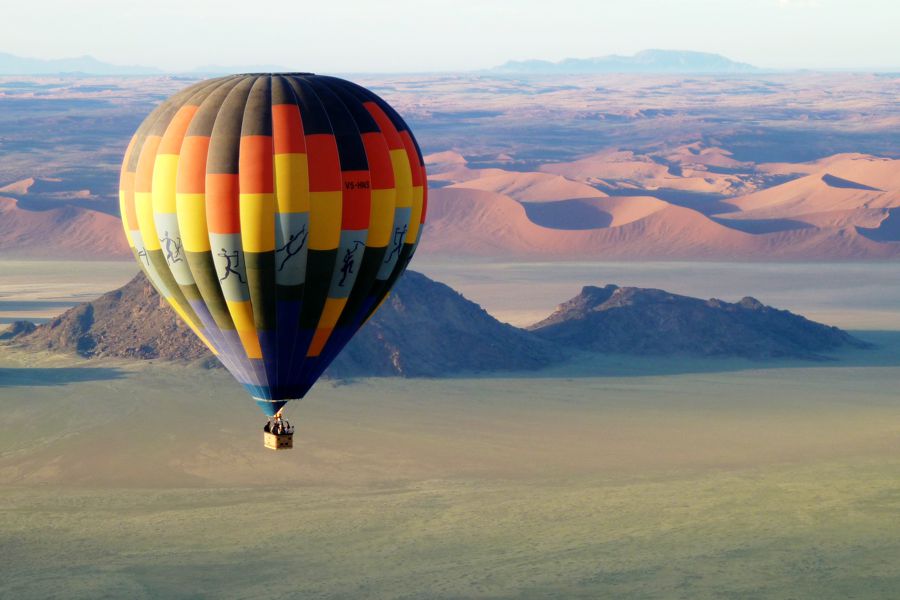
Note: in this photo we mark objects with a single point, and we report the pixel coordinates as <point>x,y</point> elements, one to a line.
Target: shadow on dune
<point>887,231</point>
<point>569,215</point>
<point>762,226</point>
<point>25,377</point>
<point>703,202</point>
<point>840,182</point>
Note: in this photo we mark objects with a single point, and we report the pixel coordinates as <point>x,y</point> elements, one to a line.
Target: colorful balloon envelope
<point>274,212</point>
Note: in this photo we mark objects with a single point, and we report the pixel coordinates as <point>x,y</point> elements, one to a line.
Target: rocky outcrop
<point>423,329</point>
<point>632,320</point>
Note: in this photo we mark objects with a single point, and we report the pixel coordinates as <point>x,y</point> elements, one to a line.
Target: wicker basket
<point>278,441</point>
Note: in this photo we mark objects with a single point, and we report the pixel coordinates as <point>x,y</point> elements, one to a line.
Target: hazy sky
<point>425,35</point>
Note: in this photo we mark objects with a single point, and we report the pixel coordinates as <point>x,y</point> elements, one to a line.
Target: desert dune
<point>836,184</point>
<point>531,186</point>
<point>63,231</point>
<point>474,222</point>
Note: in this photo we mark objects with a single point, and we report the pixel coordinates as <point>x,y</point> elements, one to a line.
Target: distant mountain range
<point>646,61</point>
<point>10,64</point>
<point>427,329</point>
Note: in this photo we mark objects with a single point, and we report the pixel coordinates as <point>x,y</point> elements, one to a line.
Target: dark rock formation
<point>16,329</point>
<point>648,321</point>
<point>427,329</point>
<point>130,322</point>
<point>424,329</point>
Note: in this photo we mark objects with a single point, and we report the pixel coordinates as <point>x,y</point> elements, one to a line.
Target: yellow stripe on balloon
<point>325,220</point>
<point>125,225</point>
<point>291,183</point>
<point>191,209</point>
<point>381,217</point>
<point>331,312</point>
<point>416,215</point>
<point>242,315</point>
<point>402,177</point>
<point>143,202</point>
<point>164,171</point>
<point>257,214</point>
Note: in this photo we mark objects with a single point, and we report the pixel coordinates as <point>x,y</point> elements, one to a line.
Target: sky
<point>346,36</point>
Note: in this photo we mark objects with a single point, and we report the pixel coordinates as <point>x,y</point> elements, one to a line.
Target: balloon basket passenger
<point>278,434</point>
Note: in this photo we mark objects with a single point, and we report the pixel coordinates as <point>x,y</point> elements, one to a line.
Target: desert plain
<point>609,476</point>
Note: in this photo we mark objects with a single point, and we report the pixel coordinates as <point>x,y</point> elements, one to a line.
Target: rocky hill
<point>427,329</point>
<point>424,329</point>
<point>647,321</point>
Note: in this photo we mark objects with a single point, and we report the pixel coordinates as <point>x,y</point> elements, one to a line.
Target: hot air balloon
<point>274,212</point>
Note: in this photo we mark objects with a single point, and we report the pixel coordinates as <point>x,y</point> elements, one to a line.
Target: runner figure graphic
<point>172,247</point>
<point>288,250</point>
<point>349,261</point>
<point>143,254</point>
<point>231,266</point>
<point>399,234</point>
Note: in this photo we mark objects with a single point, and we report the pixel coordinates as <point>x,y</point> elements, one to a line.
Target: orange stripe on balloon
<point>191,177</point>
<point>357,200</point>
<point>143,180</point>
<point>257,174</point>
<point>222,203</point>
<point>324,163</point>
<point>417,171</point>
<point>127,157</point>
<point>171,141</point>
<point>287,129</point>
<point>379,158</point>
<point>385,125</point>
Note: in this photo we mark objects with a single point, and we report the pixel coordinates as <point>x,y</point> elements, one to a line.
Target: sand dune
<point>466,222</point>
<point>840,185</point>
<point>592,213</point>
<point>18,187</point>
<point>609,165</point>
<point>852,164</point>
<point>627,170</point>
<point>463,221</point>
<point>452,167</point>
<point>532,187</point>
<point>840,208</point>
<point>447,158</point>
<point>708,156</point>
<point>64,231</point>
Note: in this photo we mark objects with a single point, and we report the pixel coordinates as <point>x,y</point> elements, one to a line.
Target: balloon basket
<point>274,441</point>
<point>278,434</point>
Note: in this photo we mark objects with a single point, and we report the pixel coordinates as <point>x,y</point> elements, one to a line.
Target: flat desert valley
<point>610,476</point>
<point>607,476</point>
